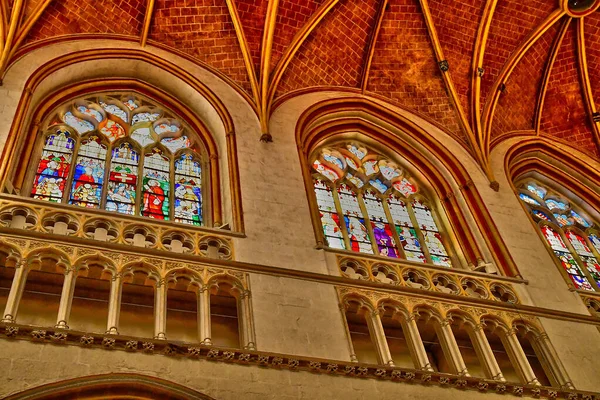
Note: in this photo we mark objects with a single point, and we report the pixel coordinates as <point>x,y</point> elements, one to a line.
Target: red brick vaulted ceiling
<point>320,44</point>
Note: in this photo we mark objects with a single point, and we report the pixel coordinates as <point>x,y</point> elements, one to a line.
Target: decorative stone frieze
<point>427,278</point>
<point>20,213</point>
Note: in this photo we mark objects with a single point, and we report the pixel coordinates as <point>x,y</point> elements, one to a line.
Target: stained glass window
<point>122,154</point>
<point>155,185</point>
<point>570,234</point>
<point>54,166</point>
<point>369,204</point>
<point>88,177</point>
<point>122,181</point>
<point>188,190</point>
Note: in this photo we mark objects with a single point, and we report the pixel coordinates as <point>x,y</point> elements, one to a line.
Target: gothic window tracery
<point>124,154</point>
<point>369,204</point>
<point>572,236</point>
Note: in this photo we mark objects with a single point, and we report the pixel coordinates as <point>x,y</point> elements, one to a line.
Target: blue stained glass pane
<point>188,190</point>
<point>97,115</point>
<point>580,220</point>
<point>556,204</point>
<point>541,215</point>
<point>538,191</point>
<point>88,177</point>
<point>563,220</point>
<point>529,199</point>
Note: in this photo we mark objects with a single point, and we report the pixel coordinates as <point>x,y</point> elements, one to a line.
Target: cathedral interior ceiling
<point>478,69</point>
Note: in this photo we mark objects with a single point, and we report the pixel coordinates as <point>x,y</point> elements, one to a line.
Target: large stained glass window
<point>369,204</point>
<point>121,153</point>
<point>569,232</point>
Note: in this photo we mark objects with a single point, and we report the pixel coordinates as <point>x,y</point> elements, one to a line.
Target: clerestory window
<point>121,153</point>
<point>369,204</point>
<point>570,234</point>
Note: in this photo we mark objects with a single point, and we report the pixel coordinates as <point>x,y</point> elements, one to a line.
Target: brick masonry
<point>456,26</point>
<point>291,17</point>
<point>123,17</point>
<point>203,30</point>
<point>517,104</point>
<point>252,15</point>
<point>564,115</point>
<point>334,54</point>
<point>405,69</point>
<point>513,21</point>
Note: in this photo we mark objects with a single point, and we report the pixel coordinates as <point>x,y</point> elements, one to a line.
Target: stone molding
<point>284,361</point>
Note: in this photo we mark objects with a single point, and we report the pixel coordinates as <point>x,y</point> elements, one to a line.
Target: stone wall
<point>291,316</point>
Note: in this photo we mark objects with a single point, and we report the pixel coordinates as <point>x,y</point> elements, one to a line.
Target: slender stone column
<point>453,352</point>
<point>550,358</point>
<point>419,355</point>
<point>245,313</point>
<point>204,329</point>
<point>114,304</point>
<point>353,357</point>
<point>522,363</point>
<point>482,345</point>
<point>66,299</point>
<point>160,310</point>
<point>378,334</point>
<point>15,294</point>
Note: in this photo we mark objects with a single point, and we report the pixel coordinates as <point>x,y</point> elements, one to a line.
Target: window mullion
<point>367,219</point>
<point>140,178</point>
<point>107,164</point>
<point>172,188</point>
<point>69,182</point>
<point>392,224</point>
<point>579,260</point>
<point>338,207</point>
<point>418,231</point>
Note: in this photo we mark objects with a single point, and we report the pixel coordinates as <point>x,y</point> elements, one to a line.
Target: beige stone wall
<point>31,364</point>
<point>291,316</point>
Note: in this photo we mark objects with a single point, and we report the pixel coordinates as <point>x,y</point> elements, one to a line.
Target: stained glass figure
<point>145,117</point>
<point>541,215</point>
<point>374,220</point>
<point>165,128</point>
<point>330,220</point>
<point>585,253</point>
<point>143,136</point>
<point>155,185</point>
<point>80,125</point>
<point>112,130</point>
<point>131,104</point>
<point>433,238</point>
<point>53,168</point>
<point>566,259</point>
<point>117,138</point>
<point>122,181</point>
<point>406,232</point>
<point>324,170</point>
<point>538,191</point>
<point>405,187</point>
<point>384,238</point>
<point>554,204</point>
<point>88,177</point>
<point>176,144</point>
<point>188,190</point>
<point>97,115</point>
<point>115,110</point>
<point>358,234</point>
<point>582,262</point>
<point>580,220</point>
